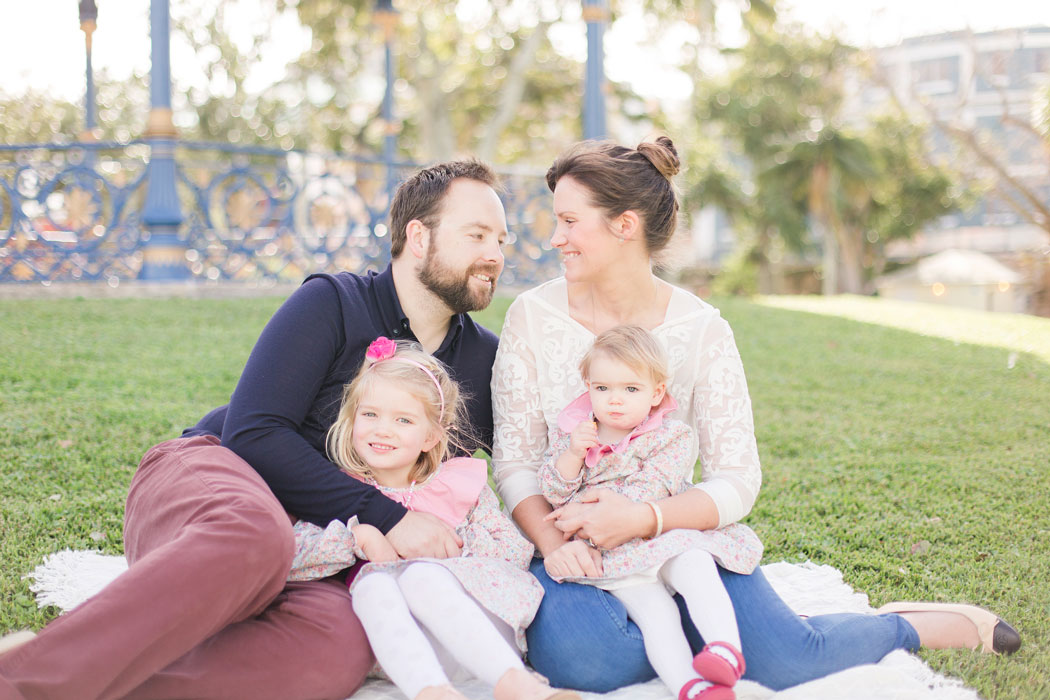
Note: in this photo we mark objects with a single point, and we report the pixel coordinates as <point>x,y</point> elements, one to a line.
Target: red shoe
<point>711,692</point>
<point>716,668</point>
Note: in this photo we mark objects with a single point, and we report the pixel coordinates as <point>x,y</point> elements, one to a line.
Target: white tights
<point>694,575</point>
<point>404,613</point>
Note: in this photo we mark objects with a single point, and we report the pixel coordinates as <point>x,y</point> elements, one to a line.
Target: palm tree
<point>827,174</point>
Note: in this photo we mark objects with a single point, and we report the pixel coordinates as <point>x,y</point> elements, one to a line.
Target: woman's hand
<point>575,558</point>
<point>373,543</point>
<point>605,518</point>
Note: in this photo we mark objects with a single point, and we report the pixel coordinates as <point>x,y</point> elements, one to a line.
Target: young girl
<point>394,429</point>
<point>617,436</point>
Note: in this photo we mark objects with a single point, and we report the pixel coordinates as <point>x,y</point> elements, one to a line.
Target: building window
<point>993,70</point>
<point>1041,61</point>
<point>936,76</point>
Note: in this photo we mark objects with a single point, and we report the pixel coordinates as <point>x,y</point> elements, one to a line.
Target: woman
<point>616,209</point>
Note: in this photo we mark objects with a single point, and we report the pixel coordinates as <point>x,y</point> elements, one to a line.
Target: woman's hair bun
<point>662,154</point>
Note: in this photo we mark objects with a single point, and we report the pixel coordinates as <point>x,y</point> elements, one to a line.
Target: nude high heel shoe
<point>996,635</point>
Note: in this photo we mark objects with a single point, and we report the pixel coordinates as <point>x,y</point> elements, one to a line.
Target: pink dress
<point>650,463</point>
<point>493,567</point>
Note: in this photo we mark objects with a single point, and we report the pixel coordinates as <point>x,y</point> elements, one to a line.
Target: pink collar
<point>449,493</point>
<point>580,410</point>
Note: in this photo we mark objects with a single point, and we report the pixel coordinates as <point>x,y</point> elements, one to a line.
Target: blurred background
<point>889,147</point>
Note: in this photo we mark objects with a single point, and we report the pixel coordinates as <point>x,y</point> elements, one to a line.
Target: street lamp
<point>88,17</point>
<point>386,17</point>
<point>595,14</point>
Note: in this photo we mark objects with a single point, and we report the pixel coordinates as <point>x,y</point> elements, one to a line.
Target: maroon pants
<point>203,610</point>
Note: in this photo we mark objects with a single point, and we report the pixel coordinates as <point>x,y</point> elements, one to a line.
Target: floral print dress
<point>493,567</point>
<point>650,463</point>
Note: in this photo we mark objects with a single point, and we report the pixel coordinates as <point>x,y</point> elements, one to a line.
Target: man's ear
<point>417,238</point>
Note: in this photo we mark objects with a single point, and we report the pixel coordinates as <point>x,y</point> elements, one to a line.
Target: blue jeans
<point>581,637</point>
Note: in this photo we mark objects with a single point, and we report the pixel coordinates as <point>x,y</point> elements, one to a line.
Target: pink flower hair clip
<point>381,348</point>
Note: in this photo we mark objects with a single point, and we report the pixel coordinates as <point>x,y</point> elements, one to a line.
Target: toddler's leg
<point>480,642</point>
<point>694,575</point>
<point>399,645</point>
<point>654,611</point>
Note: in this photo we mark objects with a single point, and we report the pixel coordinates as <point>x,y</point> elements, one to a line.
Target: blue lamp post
<point>595,14</point>
<point>88,17</point>
<point>164,255</point>
<point>386,17</point>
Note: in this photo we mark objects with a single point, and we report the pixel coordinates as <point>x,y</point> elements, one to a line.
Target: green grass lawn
<point>917,465</point>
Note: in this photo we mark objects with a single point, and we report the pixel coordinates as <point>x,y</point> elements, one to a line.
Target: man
<point>204,610</point>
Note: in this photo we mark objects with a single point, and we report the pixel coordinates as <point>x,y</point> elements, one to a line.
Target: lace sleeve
<point>520,428</point>
<point>732,474</point>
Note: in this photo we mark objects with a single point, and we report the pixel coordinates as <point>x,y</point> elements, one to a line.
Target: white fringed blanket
<point>67,578</point>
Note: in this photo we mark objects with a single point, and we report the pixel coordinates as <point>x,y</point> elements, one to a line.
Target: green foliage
<point>223,108</point>
<point>915,464</point>
<point>739,276</point>
<point>480,78</point>
<point>34,117</point>
<point>808,176</point>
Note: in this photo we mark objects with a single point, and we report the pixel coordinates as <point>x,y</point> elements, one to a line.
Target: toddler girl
<point>394,429</point>
<point>617,436</point>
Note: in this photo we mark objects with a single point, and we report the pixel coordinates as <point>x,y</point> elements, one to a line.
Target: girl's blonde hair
<point>634,346</point>
<point>444,410</point>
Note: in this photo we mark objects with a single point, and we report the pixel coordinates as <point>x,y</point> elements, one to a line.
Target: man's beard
<point>452,287</point>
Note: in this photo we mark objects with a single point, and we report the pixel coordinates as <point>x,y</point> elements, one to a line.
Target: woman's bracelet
<point>659,518</point>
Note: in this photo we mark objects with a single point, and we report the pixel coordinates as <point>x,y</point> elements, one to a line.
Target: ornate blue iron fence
<point>73,213</point>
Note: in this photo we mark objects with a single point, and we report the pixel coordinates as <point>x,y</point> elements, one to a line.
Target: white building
<point>987,85</point>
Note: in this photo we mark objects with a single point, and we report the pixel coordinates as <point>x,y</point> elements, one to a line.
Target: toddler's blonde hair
<point>634,346</point>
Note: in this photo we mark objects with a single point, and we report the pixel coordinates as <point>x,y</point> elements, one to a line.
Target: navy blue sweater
<point>289,393</point>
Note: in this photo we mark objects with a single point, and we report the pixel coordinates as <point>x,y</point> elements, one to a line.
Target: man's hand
<point>424,535</point>
<point>372,542</point>
<point>574,558</point>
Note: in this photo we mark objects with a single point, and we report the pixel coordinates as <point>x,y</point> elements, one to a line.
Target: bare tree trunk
<point>830,260</point>
<point>439,141</point>
<point>850,244</point>
<point>512,92</point>
<point>820,221</point>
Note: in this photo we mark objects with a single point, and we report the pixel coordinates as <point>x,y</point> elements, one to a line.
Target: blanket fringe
<point>68,578</point>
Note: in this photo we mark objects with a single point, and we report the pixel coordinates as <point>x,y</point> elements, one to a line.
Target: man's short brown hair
<point>420,196</point>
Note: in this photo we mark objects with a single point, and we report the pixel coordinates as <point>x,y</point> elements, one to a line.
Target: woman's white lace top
<point>535,376</point>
